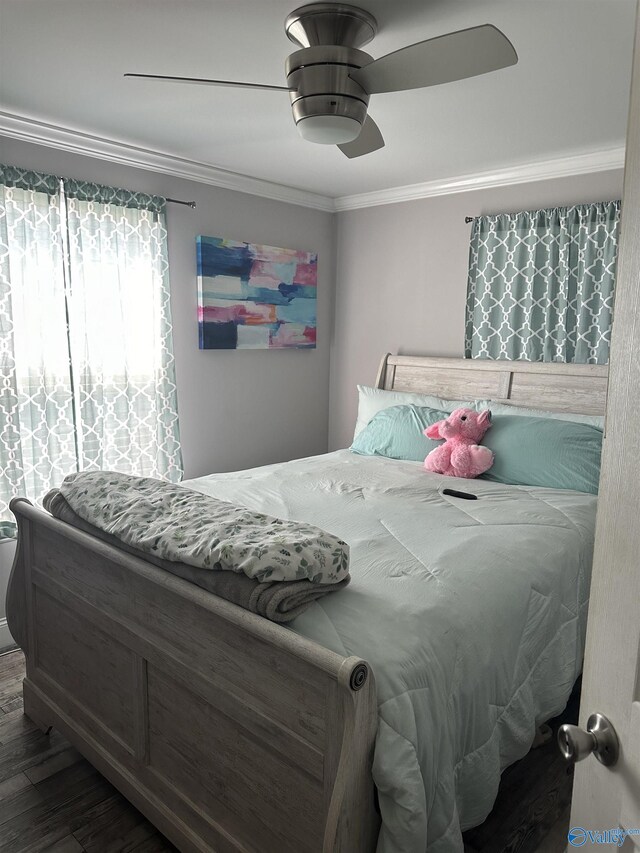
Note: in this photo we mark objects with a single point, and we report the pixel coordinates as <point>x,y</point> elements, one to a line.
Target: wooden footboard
<point>230,733</point>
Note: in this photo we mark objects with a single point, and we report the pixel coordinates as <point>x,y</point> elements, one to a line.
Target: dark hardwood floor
<point>51,799</point>
<point>532,811</point>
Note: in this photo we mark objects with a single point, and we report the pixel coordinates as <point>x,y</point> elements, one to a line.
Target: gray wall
<point>237,408</point>
<point>401,278</point>
<point>400,283</point>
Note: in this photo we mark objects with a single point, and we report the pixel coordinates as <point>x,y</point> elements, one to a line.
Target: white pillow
<point>374,400</point>
<point>509,409</point>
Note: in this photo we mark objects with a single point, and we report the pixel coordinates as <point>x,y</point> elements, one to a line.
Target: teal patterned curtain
<point>86,360</point>
<point>541,284</point>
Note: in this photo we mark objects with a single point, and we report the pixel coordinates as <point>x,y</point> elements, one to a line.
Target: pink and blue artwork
<point>255,297</point>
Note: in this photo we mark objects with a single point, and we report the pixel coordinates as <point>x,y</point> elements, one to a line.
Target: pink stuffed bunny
<point>460,455</point>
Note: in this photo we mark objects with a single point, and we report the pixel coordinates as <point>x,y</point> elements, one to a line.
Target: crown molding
<point>576,164</point>
<point>66,139</point>
<point>78,142</point>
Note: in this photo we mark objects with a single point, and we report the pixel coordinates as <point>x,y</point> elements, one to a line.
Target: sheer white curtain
<point>86,356</point>
<point>120,333</point>
<point>37,435</point>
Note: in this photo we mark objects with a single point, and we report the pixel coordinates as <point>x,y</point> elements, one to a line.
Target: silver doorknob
<point>600,739</point>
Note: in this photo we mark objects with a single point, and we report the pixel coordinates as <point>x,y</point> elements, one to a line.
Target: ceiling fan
<point>330,80</point>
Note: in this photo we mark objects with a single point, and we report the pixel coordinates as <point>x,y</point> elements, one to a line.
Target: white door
<point>609,798</point>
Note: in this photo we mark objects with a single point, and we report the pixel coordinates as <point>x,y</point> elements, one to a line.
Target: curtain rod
<point>190,204</point>
<point>467,219</point>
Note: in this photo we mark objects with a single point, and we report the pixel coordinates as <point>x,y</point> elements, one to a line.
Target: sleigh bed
<point>232,733</point>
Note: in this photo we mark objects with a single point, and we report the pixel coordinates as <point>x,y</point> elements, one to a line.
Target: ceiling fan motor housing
<point>321,86</point>
<point>330,23</point>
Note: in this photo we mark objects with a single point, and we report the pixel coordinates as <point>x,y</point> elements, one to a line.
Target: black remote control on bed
<point>467,496</point>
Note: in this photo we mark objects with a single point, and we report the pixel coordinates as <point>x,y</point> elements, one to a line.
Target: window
<point>86,359</point>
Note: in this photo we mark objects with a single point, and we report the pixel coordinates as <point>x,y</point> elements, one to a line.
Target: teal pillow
<point>544,452</point>
<point>396,432</point>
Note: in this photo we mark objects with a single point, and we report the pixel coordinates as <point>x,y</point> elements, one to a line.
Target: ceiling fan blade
<point>203,81</point>
<point>370,139</point>
<point>454,56</point>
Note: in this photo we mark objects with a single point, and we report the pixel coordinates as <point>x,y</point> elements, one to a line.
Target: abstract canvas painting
<point>255,297</point>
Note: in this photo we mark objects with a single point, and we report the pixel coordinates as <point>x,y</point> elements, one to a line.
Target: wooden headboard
<point>577,388</point>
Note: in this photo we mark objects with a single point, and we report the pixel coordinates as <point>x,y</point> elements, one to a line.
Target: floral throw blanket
<point>184,526</point>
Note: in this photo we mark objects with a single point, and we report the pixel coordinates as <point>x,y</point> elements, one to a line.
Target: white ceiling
<point>61,62</point>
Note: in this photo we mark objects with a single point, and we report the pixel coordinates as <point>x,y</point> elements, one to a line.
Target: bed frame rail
<point>229,732</point>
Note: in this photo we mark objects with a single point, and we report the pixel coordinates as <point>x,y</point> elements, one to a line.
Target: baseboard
<point>6,639</point>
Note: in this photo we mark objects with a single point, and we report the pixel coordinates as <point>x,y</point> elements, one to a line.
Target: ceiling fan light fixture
<point>329,129</point>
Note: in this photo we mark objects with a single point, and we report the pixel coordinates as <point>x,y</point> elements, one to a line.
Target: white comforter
<point>471,613</point>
